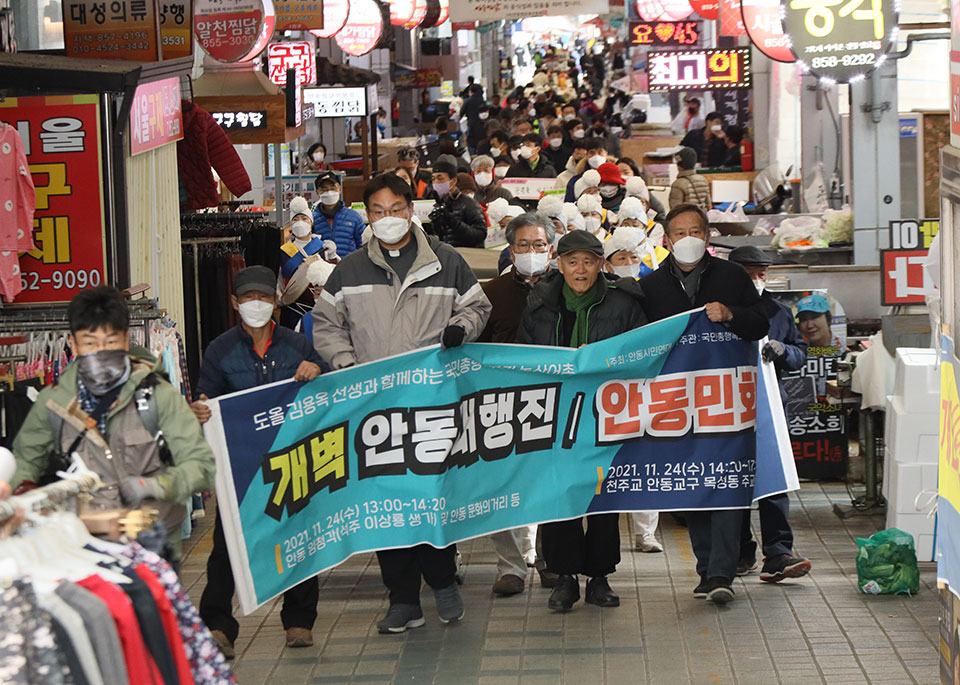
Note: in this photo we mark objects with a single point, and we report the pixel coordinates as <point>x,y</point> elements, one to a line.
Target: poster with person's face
<point>817,428</point>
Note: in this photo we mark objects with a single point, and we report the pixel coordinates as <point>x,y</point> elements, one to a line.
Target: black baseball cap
<point>578,240</point>
<point>255,278</point>
<point>445,167</point>
<point>750,255</point>
<point>326,176</point>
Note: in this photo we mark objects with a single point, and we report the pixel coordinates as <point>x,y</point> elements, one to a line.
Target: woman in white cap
<point>637,187</point>
<point>592,212</point>
<point>551,206</point>
<point>588,184</point>
<point>634,211</point>
<point>621,252</point>
<point>500,212</point>
<point>301,248</point>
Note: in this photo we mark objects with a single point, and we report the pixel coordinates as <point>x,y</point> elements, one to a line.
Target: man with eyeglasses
<point>403,291</point>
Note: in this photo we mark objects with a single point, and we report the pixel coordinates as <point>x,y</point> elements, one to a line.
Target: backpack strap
<point>146,403</point>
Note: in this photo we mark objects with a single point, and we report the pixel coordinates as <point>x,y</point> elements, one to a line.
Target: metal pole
<point>196,296</point>
<point>278,184</point>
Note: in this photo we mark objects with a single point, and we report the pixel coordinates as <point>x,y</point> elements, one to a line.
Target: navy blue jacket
<point>230,363</point>
<point>784,329</point>
<point>346,230</point>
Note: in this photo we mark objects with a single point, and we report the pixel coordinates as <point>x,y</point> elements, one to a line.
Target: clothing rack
<point>55,493</point>
<point>195,243</point>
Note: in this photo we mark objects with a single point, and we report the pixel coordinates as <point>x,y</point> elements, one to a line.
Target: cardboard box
<point>911,437</point>
<point>917,380</point>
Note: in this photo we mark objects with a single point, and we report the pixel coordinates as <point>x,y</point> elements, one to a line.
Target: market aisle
<point>817,629</point>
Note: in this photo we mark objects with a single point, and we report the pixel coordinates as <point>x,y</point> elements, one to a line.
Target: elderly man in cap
<point>255,352</point>
<point>572,308</point>
<point>332,219</point>
<point>788,352</point>
<point>457,219</point>
<point>691,278</point>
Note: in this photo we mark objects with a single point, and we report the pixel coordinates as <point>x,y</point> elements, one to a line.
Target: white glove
<point>329,251</point>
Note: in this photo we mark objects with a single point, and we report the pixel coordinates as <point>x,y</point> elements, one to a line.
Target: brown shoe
<point>226,647</point>
<point>299,637</point>
<point>509,585</point>
<point>548,579</point>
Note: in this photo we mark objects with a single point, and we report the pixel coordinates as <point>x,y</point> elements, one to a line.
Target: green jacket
<point>132,451</point>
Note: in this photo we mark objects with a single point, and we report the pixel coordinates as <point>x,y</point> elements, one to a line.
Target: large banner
<point>948,503</point>
<point>436,446</point>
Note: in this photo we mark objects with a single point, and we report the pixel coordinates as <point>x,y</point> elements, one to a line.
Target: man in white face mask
<point>402,292</point>
<point>691,278</point>
<point>332,219</point>
<point>488,185</point>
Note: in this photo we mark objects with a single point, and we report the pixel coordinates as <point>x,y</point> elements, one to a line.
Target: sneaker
<point>299,637</point>
<point>565,594</point>
<point>745,566</point>
<point>600,594</point>
<point>700,592</point>
<point>223,642</point>
<point>719,591</point>
<point>400,617</point>
<point>784,566</point>
<point>449,603</point>
<point>548,579</point>
<point>648,544</point>
<point>509,584</point>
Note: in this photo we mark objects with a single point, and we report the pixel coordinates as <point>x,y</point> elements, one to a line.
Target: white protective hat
<point>632,208</point>
<point>589,203</point>
<point>637,187</point>
<point>551,206</point>
<point>574,219</point>
<point>318,272</point>
<point>623,238</point>
<point>299,205</point>
<point>497,209</point>
<point>589,179</point>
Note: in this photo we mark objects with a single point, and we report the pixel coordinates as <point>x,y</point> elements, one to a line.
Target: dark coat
<point>559,157</point>
<point>205,145</point>
<point>458,221</point>
<point>521,169</point>
<point>709,153</point>
<point>721,281</point>
<point>508,294</point>
<point>546,318</point>
<point>784,329</point>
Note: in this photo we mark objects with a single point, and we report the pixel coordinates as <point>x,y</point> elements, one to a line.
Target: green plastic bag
<point>887,564</point>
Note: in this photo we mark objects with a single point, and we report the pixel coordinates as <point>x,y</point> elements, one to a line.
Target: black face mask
<point>692,110</point>
<point>103,370</point>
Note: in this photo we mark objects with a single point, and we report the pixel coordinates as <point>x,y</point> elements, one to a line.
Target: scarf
<point>580,306</point>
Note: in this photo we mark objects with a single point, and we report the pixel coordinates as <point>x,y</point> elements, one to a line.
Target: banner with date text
<point>436,446</point>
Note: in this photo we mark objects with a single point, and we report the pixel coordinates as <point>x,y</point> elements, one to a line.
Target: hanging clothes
<point>17,204</point>
<point>205,145</point>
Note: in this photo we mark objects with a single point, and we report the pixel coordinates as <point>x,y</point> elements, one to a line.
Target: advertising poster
<point>62,140</point>
<point>948,504</point>
<point>818,431</point>
<point>436,446</point>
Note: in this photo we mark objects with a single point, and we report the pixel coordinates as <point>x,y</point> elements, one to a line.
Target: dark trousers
<point>775,532</point>
<point>568,550</point>
<point>402,569</point>
<point>715,538</point>
<point>216,603</point>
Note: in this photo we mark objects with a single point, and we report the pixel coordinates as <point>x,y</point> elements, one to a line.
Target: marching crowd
<point>597,259</point>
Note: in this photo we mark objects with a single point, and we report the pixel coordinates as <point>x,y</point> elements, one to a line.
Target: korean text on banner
<point>948,504</point>
<point>495,10</point>
<point>436,446</point>
<point>62,140</point>
<point>155,115</point>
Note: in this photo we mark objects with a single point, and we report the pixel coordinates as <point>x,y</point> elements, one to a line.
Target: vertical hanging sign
<point>176,28</point>
<point>155,115</point>
<point>122,29</point>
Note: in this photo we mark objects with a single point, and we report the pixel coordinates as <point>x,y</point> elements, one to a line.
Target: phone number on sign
<point>844,61</point>
<point>69,279</point>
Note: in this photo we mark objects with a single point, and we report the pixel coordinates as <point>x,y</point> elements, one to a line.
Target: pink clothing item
<point>17,203</point>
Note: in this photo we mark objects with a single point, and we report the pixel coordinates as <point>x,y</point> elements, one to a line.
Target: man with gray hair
<point>488,187</point>
<point>530,243</point>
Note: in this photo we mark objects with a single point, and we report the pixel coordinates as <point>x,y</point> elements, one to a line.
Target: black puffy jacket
<point>458,221</point>
<point>546,318</point>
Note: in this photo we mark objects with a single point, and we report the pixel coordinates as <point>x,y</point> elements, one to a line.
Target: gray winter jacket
<point>691,187</point>
<point>364,313</point>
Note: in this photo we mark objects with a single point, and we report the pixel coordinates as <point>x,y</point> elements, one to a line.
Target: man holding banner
<point>692,278</point>
<point>404,291</point>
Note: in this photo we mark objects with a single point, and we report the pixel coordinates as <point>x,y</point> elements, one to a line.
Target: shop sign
<point>708,9</point>
<point>674,34</point>
<point>446,89</point>
<point>155,115</point>
<point>363,29</point>
<point>269,21</point>
<point>418,15</point>
<point>298,15</point>
<point>662,10</point>
<point>336,102</point>
<point>948,511</point>
<point>176,22</point>
<point>299,55</point>
<point>444,12</point>
<point>421,78</point>
<point>121,29</point>
<point>731,20</point>
<point>909,127</point>
<point>515,10</point>
<point>903,278</point>
<point>528,188</point>
<point>464,25</point>
<point>249,120</point>
<point>840,40</point>
<point>699,69</point>
<point>761,18</point>
<point>913,234</point>
<point>294,96</point>
<point>735,106</point>
<point>401,11</point>
<point>228,29</point>
<point>955,102</point>
<point>335,13</point>
<point>61,137</point>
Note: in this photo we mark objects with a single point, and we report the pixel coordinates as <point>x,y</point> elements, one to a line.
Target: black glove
<point>773,350</point>
<point>452,337</point>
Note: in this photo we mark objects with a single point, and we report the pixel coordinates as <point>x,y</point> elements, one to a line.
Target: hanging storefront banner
<point>155,115</point>
<point>731,20</point>
<point>335,13</point>
<point>674,34</point>
<point>421,78</point>
<point>336,102</point>
<point>948,502</point>
<point>418,15</point>
<point>228,29</point>
<point>663,10</point>
<point>735,106</point>
<point>123,29</point>
<point>840,42</point>
<point>61,135</point>
<point>363,29</point>
<point>955,78</point>
<point>176,28</point>
<point>444,12</point>
<point>401,11</point>
<point>903,278</point>
<point>699,69</point>
<point>514,10</point>
<point>269,22</point>
<point>432,16</point>
<point>299,15</point>
<point>708,9</point>
<point>761,18</point>
<point>436,446</point>
<point>292,55</point>
<point>294,99</point>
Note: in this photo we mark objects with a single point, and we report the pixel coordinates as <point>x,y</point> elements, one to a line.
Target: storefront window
<point>38,24</point>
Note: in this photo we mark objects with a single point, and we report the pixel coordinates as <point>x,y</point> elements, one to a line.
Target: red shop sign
<point>335,13</point>
<point>401,11</point>
<point>298,55</point>
<point>731,21</point>
<point>228,29</point>
<point>665,10</point>
<point>363,29</point>
<point>155,115</point>
<point>761,18</point>
<point>419,14</point>
<point>61,135</point>
<point>903,278</point>
<point>708,9</point>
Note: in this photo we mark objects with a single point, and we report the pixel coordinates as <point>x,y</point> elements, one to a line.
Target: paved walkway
<point>816,629</point>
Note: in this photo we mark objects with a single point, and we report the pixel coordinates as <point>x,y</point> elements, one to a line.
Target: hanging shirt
<point>100,628</point>
<point>169,620</point>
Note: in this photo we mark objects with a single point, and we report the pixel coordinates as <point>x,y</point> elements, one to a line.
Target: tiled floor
<point>816,629</point>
